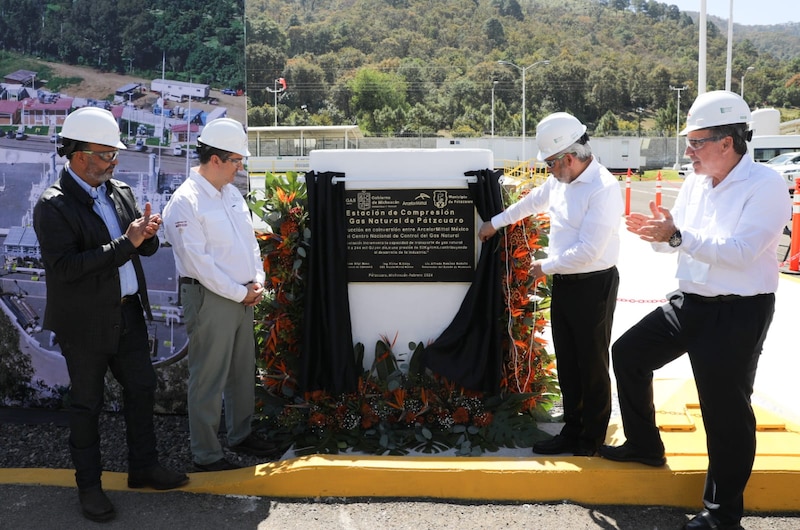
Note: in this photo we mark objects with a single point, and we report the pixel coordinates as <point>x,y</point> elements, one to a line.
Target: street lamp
<point>639,111</point>
<point>523,70</point>
<point>275,91</point>
<point>678,125</point>
<point>494,84</point>
<point>741,85</point>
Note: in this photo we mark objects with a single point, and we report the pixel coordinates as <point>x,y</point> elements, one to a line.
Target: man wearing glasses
<point>585,206</point>
<point>724,227</point>
<point>92,234</point>
<point>218,260</point>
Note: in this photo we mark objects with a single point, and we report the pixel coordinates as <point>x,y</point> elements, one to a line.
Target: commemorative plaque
<point>410,235</point>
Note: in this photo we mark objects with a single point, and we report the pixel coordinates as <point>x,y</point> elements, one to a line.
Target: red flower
<point>460,415</point>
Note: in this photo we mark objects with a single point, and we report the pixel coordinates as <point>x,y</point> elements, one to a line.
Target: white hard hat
<point>92,125</point>
<point>718,107</point>
<point>225,134</point>
<point>557,132</point>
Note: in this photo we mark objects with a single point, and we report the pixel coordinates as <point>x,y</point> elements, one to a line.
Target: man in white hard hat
<point>91,234</point>
<point>221,272</point>
<point>725,227</point>
<point>585,207</point>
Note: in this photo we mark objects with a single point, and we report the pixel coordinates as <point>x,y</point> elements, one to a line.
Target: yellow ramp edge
<point>773,486</point>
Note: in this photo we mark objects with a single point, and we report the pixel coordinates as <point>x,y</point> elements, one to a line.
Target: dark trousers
<point>130,364</point>
<point>724,341</point>
<point>582,313</point>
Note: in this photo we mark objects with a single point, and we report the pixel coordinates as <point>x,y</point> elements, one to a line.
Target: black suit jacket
<point>82,262</point>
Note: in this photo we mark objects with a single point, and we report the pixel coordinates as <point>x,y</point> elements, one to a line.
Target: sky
<point>748,12</point>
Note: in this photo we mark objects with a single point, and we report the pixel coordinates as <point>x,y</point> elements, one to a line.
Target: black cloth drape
<point>469,352</point>
<point>327,350</point>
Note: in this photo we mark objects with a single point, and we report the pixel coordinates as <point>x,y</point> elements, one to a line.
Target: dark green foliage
<point>604,56</point>
<point>204,41</point>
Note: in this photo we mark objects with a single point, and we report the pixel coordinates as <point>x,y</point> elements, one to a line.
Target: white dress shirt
<point>730,232</point>
<point>212,236</point>
<point>585,216</point>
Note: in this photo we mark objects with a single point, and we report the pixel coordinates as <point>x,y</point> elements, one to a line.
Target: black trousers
<point>130,364</point>
<point>582,312</point>
<point>724,339</point>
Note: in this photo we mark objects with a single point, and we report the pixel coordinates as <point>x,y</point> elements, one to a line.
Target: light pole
<point>741,85</point>
<point>639,111</point>
<point>678,125</point>
<point>523,70</point>
<point>275,91</point>
<point>494,84</point>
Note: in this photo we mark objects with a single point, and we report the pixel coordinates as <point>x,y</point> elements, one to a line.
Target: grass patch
<point>11,62</point>
<point>57,84</point>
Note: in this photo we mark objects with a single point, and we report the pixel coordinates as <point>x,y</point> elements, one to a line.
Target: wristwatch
<point>675,239</point>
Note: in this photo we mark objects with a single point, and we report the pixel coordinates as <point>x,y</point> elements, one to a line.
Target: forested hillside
<point>199,40</point>
<point>420,66</point>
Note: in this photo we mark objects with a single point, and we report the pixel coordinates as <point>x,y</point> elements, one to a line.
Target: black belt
<point>582,275</point>
<point>188,281</point>
<point>715,299</point>
<point>129,298</point>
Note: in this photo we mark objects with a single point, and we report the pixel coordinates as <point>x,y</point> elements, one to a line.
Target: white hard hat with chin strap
<point>92,125</point>
<point>715,108</point>
<point>557,132</point>
<point>225,134</point>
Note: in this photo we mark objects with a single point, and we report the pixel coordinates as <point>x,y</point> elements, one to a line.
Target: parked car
<point>10,133</point>
<point>140,146</point>
<point>229,91</point>
<point>784,159</point>
<point>684,170</point>
<point>21,135</point>
<point>53,138</point>
<point>788,165</point>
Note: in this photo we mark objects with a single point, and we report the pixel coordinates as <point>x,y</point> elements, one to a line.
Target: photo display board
<point>410,235</point>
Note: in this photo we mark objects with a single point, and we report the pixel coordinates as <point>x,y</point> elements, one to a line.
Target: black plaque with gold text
<point>410,235</point>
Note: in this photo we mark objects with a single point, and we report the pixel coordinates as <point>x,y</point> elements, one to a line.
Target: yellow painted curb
<point>773,486</point>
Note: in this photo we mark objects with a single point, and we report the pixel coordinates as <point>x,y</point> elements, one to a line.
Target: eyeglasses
<point>234,161</point>
<point>105,156</point>
<point>552,162</point>
<point>698,143</point>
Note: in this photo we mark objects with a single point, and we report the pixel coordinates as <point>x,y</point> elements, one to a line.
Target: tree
<point>373,90</point>
<point>607,125</point>
<point>494,32</point>
<point>306,85</point>
<point>264,64</point>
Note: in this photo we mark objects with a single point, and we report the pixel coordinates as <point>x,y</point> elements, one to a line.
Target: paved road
<point>30,507</point>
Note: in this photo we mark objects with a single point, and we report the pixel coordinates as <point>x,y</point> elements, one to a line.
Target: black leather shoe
<point>255,446</point>
<point>705,520</point>
<point>95,505</point>
<point>220,465</point>
<point>556,445</point>
<point>624,453</point>
<point>156,477</point>
<point>585,448</point>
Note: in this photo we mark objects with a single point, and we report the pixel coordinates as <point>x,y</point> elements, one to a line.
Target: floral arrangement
<point>397,408</point>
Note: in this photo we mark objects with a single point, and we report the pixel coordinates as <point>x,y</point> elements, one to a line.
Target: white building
<point>179,90</point>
